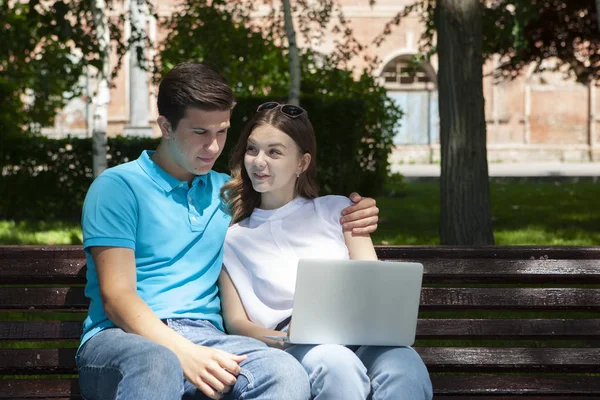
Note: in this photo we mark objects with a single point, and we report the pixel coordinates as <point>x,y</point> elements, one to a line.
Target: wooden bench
<point>495,322</point>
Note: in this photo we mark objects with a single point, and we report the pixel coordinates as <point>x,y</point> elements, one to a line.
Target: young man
<point>153,235</point>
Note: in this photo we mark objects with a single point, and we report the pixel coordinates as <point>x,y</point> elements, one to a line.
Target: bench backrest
<point>493,320</point>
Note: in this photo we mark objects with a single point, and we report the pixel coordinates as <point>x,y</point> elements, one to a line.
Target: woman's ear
<point>306,158</point>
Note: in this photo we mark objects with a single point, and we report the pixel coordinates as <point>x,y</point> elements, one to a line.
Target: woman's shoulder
<point>332,201</point>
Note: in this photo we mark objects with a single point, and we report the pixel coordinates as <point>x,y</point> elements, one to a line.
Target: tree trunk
<point>294,58</point>
<point>101,96</point>
<point>465,215</point>
<point>598,14</point>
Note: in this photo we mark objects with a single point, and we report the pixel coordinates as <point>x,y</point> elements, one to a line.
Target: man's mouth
<point>207,159</point>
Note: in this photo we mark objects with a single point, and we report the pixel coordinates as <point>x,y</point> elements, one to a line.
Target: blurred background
<point>471,122</point>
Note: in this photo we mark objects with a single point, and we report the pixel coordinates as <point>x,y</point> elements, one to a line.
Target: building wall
<point>535,116</point>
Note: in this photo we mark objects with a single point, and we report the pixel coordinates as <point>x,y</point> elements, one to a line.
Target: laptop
<point>353,302</point>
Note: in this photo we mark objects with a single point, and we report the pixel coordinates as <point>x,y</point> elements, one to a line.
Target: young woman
<point>278,219</point>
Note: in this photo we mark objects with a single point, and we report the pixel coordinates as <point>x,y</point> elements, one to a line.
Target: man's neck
<point>163,159</point>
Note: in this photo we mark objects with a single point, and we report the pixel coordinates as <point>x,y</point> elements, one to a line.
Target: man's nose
<point>213,146</point>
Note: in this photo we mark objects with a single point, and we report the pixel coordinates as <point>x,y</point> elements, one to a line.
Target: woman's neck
<point>274,200</point>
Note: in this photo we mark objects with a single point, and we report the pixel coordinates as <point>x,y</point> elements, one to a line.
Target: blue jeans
<point>372,372</point>
<point>114,364</point>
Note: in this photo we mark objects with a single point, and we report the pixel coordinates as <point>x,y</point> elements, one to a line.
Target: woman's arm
<point>235,317</point>
<point>360,247</point>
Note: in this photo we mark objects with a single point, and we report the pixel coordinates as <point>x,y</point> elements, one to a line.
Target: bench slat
<point>466,329</point>
<point>72,271</point>
<point>447,386</point>
<point>486,271</point>
<point>432,299</point>
<point>510,359</point>
<point>438,359</point>
<point>489,252</point>
<point>525,385</point>
<point>39,388</point>
<point>42,271</point>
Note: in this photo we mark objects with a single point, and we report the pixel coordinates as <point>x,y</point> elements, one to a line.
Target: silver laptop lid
<point>356,302</point>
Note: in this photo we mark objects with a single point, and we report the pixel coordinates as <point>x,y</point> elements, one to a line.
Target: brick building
<point>542,117</point>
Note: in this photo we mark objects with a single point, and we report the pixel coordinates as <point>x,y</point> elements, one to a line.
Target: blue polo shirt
<point>177,234</point>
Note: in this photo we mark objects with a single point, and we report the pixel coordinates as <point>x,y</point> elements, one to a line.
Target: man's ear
<point>165,127</point>
<point>306,157</point>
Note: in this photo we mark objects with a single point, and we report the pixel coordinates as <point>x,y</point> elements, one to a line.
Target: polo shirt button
<point>193,218</point>
<point>190,198</point>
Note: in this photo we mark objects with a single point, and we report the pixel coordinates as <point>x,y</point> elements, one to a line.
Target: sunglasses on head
<point>290,110</point>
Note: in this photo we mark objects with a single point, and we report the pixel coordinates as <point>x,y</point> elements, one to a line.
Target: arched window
<point>402,73</point>
<point>414,89</point>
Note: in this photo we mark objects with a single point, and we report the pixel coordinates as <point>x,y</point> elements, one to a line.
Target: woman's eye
<point>276,152</point>
<point>250,149</point>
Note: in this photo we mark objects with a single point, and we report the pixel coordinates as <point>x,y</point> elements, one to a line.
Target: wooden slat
<point>507,329</point>
<point>25,252</point>
<point>490,252</point>
<point>509,298</point>
<point>39,389</point>
<point>431,298</point>
<point>487,271</point>
<point>466,329</point>
<point>445,387</point>
<point>510,359</point>
<point>37,361</point>
<point>438,359</point>
<point>33,299</point>
<point>42,271</point>
<point>524,385</point>
<point>40,330</point>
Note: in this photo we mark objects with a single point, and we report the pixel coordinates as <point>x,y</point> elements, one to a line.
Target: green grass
<point>40,232</point>
<point>523,214</point>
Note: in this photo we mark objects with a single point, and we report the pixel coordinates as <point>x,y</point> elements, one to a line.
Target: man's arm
<point>362,217</point>
<point>210,370</point>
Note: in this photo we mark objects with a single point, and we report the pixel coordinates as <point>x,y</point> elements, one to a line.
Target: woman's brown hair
<point>239,195</point>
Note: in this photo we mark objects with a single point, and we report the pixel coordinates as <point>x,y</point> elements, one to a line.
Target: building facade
<point>542,117</point>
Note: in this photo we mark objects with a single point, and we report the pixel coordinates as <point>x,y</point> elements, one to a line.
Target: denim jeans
<point>370,372</point>
<point>114,364</point>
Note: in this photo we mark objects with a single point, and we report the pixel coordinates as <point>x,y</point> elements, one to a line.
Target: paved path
<point>523,170</point>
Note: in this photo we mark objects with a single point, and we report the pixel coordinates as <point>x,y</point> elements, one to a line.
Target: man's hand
<point>212,371</point>
<point>360,218</point>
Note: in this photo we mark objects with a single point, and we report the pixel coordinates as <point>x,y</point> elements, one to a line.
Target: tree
<point>101,97</point>
<point>294,58</point>
<point>465,215</point>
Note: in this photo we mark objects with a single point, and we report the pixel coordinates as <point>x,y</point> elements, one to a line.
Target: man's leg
<point>267,374</point>
<point>396,373</point>
<point>335,372</point>
<point>117,365</point>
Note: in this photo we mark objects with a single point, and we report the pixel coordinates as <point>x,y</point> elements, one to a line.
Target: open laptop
<point>355,303</point>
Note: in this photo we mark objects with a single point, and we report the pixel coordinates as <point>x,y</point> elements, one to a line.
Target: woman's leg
<point>396,373</point>
<point>334,371</point>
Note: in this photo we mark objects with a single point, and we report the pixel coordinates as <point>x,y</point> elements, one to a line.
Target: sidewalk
<point>521,170</point>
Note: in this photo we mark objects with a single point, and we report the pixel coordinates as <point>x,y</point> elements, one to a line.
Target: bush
<point>46,179</point>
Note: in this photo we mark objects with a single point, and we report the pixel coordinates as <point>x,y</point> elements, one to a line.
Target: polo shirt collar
<point>162,177</point>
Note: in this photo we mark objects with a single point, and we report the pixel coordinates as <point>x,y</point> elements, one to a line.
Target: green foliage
<point>47,49</point>
<point>47,178</point>
<point>522,32</point>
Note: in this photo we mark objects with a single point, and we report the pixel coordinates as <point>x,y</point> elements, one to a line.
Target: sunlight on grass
<point>523,214</point>
<point>40,232</point>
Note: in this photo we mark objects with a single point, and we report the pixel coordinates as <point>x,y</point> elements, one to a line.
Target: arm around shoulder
<point>360,247</point>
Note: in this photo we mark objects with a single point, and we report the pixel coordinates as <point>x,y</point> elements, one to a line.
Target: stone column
<point>138,77</point>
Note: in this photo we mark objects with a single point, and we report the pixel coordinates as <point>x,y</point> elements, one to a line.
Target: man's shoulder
<point>219,177</point>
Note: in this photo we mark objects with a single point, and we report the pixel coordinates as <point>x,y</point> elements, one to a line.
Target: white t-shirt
<point>261,252</point>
